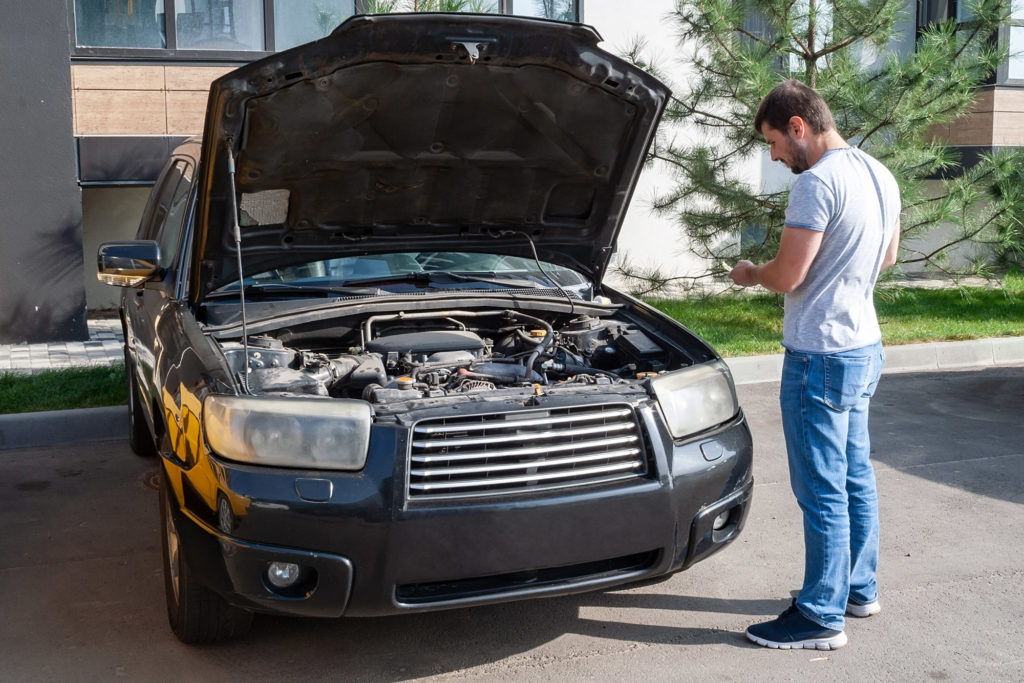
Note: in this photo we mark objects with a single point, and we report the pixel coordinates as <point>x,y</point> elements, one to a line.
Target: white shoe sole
<point>833,643</point>
<point>861,611</point>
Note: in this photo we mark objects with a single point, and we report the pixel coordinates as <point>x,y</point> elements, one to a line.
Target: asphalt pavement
<point>82,595</point>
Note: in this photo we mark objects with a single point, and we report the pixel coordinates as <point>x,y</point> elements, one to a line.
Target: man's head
<point>789,117</point>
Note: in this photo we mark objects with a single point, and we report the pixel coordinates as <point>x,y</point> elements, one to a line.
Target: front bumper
<point>366,550</point>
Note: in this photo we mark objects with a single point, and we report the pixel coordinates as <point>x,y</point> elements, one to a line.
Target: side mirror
<point>128,263</point>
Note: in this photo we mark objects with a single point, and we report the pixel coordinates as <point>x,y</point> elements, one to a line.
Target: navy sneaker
<point>791,630</point>
<point>862,609</point>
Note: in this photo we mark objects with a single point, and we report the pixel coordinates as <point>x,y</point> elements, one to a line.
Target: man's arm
<point>892,250</point>
<point>787,270</point>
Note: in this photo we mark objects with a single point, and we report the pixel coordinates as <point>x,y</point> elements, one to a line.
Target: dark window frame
<point>173,54</point>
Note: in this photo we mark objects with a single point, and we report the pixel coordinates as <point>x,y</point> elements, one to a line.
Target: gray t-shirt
<point>855,201</point>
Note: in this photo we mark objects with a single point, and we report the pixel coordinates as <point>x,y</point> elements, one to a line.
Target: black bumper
<point>367,550</point>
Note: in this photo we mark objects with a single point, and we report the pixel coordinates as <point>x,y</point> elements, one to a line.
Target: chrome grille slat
<point>532,436</point>
<point>525,465</point>
<point>525,478</point>
<point>512,423</point>
<point>521,452</point>
<point>498,454</point>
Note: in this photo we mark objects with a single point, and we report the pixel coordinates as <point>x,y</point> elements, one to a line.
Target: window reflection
<point>561,10</point>
<point>120,23</point>
<point>300,21</point>
<point>1016,69</point>
<point>239,25</point>
<point>219,24</point>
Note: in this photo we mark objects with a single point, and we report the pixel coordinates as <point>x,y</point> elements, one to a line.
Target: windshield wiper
<point>271,289</point>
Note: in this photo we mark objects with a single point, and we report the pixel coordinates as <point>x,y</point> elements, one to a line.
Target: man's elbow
<point>889,260</point>
<point>785,285</point>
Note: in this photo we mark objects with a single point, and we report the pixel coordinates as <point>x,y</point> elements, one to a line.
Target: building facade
<point>96,100</point>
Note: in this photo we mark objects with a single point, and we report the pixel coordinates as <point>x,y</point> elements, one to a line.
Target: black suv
<point>367,335</point>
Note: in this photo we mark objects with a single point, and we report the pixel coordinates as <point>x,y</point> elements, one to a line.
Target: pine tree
<point>885,102</point>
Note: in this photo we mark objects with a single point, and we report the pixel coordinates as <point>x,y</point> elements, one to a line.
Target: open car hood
<point>424,132</point>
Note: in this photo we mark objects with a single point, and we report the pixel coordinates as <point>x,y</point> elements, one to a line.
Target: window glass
<point>159,200</point>
<point>120,23</point>
<point>483,6</point>
<point>1016,67</point>
<point>219,24</point>
<point>562,10</point>
<point>932,11</point>
<point>1017,10</point>
<point>300,21</point>
<point>169,234</point>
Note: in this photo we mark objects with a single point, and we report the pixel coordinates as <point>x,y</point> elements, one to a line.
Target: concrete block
<point>964,354</point>
<point>1008,350</point>
<point>911,358</point>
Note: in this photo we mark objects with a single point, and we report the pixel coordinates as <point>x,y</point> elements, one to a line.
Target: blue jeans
<point>824,400</point>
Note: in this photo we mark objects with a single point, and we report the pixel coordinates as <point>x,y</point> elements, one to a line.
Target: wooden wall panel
<point>120,112</point>
<point>185,112</point>
<point>1008,124</point>
<point>140,100</point>
<point>997,119</point>
<point>192,77</point>
<point>116,77</point>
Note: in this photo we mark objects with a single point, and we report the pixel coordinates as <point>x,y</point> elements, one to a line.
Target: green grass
<point>63,389</point>
<point>746,324</point>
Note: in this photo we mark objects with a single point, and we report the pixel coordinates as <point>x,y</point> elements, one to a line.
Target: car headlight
<point>289,432</point>
<point>696,398</point>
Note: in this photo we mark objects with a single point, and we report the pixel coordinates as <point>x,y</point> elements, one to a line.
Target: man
<point>841,230</point>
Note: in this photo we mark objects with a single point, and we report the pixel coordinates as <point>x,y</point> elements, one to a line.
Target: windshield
<point>402,271</point>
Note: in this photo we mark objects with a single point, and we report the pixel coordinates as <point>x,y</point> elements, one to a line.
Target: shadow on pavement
<point>962,429</point>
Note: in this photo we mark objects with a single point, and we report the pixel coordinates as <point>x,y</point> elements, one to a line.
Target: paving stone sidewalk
<point>104,347</point>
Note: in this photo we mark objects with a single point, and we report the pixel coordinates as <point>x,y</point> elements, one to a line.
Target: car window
<point>159,200</point>
<point>169,230</point>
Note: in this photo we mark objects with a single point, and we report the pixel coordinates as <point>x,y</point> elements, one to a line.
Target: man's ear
<point>797,127</point>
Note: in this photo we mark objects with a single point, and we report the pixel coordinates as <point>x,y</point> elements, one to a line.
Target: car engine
<point>398,357</point>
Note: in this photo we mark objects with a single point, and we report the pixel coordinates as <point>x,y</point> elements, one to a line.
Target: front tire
<point>196,614</point>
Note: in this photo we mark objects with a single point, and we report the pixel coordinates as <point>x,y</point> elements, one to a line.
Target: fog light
<point>283,574</point>
<point>721,520</point>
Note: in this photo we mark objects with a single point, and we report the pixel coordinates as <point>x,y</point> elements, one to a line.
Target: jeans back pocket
<point>848,379</point>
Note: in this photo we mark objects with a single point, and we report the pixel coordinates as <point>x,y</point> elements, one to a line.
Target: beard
<point>799,164</point>
<point>798,154</point>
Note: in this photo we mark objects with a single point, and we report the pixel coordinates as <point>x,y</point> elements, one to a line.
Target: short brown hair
<point>793,98</point>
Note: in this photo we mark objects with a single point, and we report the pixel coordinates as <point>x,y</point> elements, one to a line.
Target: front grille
<point>523,451</point>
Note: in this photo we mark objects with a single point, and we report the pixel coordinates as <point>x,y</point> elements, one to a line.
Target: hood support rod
<point>237,230</point>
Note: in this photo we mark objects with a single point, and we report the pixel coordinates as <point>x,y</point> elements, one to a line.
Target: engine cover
<point>428,342</point>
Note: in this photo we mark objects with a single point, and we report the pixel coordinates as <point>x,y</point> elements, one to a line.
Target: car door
<point>143,308</point>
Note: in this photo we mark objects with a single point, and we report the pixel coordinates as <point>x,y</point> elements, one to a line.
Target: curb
<point>63,427</point>
<point>927,357</point>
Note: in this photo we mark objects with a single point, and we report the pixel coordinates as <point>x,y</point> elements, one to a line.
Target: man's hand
<point>744,274</point>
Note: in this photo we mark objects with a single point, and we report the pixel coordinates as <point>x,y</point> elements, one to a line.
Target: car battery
<point>640,349</point>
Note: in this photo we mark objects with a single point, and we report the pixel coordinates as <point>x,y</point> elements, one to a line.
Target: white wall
<point>647,239</point>
<point>651,240</point>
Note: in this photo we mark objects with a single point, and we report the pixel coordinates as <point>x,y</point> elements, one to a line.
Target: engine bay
<point>395,358</point>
